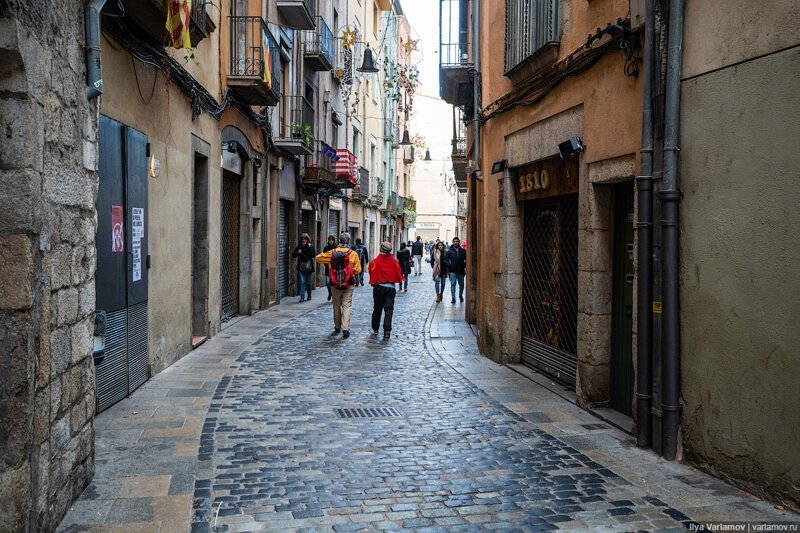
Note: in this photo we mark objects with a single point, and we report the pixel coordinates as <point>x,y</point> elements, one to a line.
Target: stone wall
<point>47,262</point>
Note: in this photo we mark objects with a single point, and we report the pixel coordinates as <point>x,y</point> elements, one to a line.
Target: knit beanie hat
<point>386,247</point>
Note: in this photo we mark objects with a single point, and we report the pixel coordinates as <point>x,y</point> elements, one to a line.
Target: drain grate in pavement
<point>368,412</point>
<point>593,427</point>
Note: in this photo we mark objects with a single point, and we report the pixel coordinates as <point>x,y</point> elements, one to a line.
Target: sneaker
<point>330,297</point>
<point>406,289</point>
<point>461,298</point>
<point>335,332</point>
<point>345,334</point>
<point>386,335</point>
<point>302,300</point>
<point>453,301</point>
<point>375,332</point>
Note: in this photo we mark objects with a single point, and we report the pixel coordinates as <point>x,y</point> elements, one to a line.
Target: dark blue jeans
<point>306,280</point>
<point>460,279</point>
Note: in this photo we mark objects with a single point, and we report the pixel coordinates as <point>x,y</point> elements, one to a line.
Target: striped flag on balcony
<point>178,20</point>
<point>347,165</point>
<point>267,75</point>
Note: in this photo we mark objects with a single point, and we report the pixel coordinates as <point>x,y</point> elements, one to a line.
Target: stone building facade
<point>47,262</point>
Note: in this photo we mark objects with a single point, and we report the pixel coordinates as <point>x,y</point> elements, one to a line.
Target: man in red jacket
<point>384,273</point>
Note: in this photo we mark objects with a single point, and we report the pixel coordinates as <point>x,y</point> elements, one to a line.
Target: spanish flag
<point>267,74</point>
<point>178,20</point>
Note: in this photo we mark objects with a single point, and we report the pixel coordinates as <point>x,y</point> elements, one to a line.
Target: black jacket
<point>328,248</point>
<point>304,253</point>
<point>404,256</point>
<point>456,260</point>
<point>418,248</point>
<point>363,255</point>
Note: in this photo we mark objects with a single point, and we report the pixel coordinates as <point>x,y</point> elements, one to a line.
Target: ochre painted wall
<point>164,114</point>
<point>612,127</point>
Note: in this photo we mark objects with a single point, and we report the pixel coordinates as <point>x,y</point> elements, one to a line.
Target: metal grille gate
<point>283,249</point>
<point>333,224</point>
<point>550,287</point>
<point>230,246</point>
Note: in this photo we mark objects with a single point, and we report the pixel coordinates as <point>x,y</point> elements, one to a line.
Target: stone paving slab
<point>243,435</point>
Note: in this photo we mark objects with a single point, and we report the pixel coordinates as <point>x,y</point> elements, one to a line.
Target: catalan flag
<point>267,74</point>
<point>178,20</point>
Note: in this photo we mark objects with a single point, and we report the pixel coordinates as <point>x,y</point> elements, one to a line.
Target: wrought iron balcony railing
<point>459,147</point>
<point>254,58</point>
<point>297,125</point>
<point>318,46</point>
<point>363,182</point>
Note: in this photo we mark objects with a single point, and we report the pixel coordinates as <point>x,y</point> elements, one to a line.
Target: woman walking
<point>305,266</point>
<point>404,257</point>
<point>328,247</point>
<point>439,269</point>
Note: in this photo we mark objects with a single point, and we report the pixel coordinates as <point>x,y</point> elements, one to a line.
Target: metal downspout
<point>644,225</point>
<point>94,74</point>
<point>476,47</point>
<point>670,196</point>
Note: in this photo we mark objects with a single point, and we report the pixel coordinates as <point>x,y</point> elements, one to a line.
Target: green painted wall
<point>740,273</point>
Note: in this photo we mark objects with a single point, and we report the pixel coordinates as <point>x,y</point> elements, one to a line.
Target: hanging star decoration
<point>348,38</point>
<point>410,45</point>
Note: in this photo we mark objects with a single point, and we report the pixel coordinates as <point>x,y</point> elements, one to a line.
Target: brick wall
<point>48,186</point>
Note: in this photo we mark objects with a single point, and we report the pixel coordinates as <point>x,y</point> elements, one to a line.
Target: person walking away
<point>328,247</point>
<point>456,263</point>
<point>404,257</point>
<point>417,251</point>
<point>363,256</point>
<point>439,270</point>
<point>384,272</point>
<point>305,253</point>
<point>343,267</point>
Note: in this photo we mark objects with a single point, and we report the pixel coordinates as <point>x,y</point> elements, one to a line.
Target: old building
<point>584,267</point>
<point>48,183</point>
<point>558,306</point>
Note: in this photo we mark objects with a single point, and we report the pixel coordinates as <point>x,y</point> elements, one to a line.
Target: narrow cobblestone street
<point>308,432</point>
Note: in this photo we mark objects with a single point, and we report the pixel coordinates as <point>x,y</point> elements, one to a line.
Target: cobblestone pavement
<point>452,441</point>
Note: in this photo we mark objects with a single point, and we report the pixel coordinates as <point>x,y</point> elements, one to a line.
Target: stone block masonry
<point>48,187</point>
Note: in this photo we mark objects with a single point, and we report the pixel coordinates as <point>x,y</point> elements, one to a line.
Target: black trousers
<point>384,303</point>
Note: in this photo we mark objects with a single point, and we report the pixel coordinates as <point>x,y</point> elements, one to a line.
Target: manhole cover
<point>368,412</point>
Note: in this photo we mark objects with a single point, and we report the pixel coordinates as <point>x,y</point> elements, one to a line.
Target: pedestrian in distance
<point>304,253</point>
<point>363,256</point>
<point>456,263</point>
<point>417,251</point>
<point>404,257</point>
<point>328,247</point>
<point>384,272</point>
<point>439,270</point>
<point>343,267</point>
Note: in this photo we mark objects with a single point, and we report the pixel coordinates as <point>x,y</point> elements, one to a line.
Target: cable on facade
<point>200,99</point>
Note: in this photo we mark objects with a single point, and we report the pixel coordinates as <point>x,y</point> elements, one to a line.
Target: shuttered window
<point>530,25</point>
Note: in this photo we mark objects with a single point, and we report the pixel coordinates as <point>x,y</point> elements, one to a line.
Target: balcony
<point>318,47</point>
<point>150,15</point>
<point>401,205</point>
<point>296,132</point>
<point>377,195</point>
<point>411,204</point>
<point>459,158</point>
<point>389,130</point>
<point>319,173</point>
<point>298,14</point>
<point>252,79</point>
<point>346,169</point>
<point>408,154</point>
<point>361,190</point>
<point>455,63</point>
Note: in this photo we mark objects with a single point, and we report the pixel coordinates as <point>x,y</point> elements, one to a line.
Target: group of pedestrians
<point>344,270</point>
<point>448,263</point>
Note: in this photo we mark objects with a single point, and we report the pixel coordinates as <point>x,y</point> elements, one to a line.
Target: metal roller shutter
<point>333,223</point>
<point>283,249</point>
<point>550,287</point>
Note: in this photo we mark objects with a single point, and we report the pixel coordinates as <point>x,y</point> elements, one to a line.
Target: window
<point>372,152</point>
<point>357,144</point>
<point>334,134</point>
<point>530,25</point>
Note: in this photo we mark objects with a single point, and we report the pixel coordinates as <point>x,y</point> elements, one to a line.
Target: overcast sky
<point>423,15</point>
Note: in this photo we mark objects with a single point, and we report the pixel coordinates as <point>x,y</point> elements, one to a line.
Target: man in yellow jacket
<point>342,283</point>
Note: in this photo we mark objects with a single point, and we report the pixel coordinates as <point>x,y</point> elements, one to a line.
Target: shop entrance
<point>229,267</point>
<point>622,303</point>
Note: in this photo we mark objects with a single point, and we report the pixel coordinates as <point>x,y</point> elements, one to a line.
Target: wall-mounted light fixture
<point>572,146</point>
<point>153,166</point>
<point>257,162</point>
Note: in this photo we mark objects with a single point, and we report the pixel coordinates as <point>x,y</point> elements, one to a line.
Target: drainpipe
<point>644,287</point>
<point>476,96</point>
<point>670,196</point>
<point>94,76</point>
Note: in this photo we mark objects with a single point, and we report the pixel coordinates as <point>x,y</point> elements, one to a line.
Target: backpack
<point>341,270</point>
<point>361,253</point>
